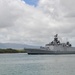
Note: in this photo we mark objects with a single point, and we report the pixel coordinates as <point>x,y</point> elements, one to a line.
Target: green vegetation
<point>9,50</point>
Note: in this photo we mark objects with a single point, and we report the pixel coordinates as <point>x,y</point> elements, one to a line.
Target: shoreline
<point>9,50</point>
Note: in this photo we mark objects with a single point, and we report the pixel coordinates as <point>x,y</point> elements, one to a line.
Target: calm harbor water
<point>23,64</point>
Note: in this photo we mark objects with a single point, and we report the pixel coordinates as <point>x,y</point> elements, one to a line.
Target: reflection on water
<point>23,64</point>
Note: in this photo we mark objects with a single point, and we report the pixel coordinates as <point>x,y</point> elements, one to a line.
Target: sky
<point>35,22</point>
<point>32,2</point>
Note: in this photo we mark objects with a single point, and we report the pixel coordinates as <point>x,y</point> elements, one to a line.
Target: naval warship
<point>54,47</point>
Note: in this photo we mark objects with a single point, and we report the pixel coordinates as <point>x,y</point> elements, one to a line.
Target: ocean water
<point>23,64</point>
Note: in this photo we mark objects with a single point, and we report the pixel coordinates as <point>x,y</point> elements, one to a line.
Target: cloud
<point>22,23</point>
<point>60,10</point>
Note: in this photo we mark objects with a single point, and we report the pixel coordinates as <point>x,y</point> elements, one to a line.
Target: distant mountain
<point>16,46</point>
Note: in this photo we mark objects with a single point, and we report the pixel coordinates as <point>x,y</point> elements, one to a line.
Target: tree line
<point>10,50</point>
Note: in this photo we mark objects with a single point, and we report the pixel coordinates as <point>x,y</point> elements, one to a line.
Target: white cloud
<point>22,23</point>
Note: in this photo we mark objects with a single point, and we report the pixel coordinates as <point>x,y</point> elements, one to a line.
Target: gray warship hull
<point>54,51</point>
